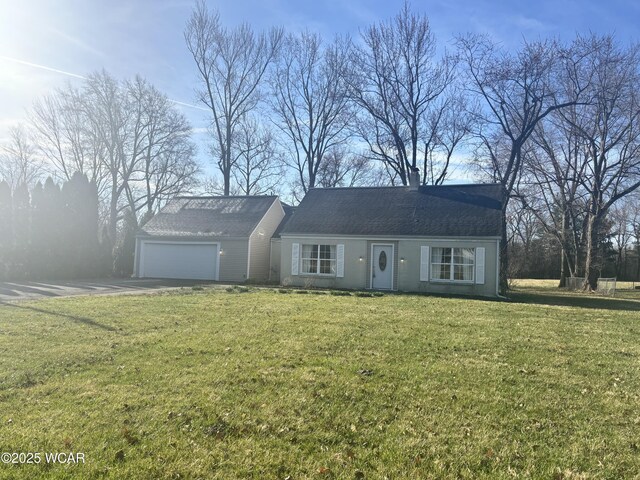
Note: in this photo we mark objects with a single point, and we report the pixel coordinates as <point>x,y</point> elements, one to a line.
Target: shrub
<point>340,293</point>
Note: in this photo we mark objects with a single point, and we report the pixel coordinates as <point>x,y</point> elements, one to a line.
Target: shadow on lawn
<point>83,320</point>
<point>563,299</point>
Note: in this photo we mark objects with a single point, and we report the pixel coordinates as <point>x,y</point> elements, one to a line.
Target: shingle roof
<point>455,210</point>
<point>209,216</point>
<point>288,211</point>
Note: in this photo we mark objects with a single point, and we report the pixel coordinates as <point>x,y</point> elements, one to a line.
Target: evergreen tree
<point>49,227</point>
<point>22,232</point>
<point>80,199</point>
<point>105,253</point>
<point>39,236</point>
<point>123,261</point>
<point>6,229</point>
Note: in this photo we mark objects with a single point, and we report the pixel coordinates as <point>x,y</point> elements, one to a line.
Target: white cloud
<point>529,23</point>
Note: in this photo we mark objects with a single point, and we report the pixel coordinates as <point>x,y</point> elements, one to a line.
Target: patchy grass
<point>262,385</point>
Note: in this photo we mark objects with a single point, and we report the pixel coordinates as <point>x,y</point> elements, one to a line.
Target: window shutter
<point>424,263</point>
<point>480,265</point>
<point>339,261</point>
<point>295,258</point>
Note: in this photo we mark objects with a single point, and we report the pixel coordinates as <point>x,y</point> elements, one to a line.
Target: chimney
<point>414,179</point>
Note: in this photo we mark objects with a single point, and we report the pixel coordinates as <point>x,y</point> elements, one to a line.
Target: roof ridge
<point>221,197</point>
<point>397,187</point>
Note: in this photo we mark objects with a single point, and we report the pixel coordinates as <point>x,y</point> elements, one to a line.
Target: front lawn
<point>263,384</point>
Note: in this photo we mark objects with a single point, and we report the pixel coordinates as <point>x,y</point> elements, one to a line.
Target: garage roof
<point>209,216</point>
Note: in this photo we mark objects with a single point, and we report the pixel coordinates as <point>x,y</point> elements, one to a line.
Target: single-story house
<point>441,239</point>
<point>210,238</point>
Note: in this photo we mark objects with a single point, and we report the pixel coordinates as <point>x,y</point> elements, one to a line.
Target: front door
<point>382,267</point>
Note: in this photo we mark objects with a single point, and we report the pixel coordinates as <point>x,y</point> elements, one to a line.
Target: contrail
<point>189,105</point>
<point>75,75</point>
<point>43,67</point>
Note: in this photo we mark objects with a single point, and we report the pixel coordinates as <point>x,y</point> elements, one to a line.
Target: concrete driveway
<point>34,290</point>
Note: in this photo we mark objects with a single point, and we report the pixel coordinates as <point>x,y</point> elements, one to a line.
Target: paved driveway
<point>34,290</point>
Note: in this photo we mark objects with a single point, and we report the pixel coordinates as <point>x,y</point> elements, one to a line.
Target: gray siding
<point>409,270</point>
<point>406,274</point>
<point>260,242</point>
<point>233,260</point>
<point>355,271</point>
<point>274,271</point>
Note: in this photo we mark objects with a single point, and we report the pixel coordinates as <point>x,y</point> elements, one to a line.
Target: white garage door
<point>194,261</point>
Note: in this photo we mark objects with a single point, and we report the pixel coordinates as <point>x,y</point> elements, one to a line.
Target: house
<point>441,239</point>
<point>210,238</point>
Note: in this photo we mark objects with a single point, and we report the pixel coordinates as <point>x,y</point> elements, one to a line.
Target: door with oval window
<point>382,267</point>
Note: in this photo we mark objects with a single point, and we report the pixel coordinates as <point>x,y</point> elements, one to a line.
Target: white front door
<point>382,267</point>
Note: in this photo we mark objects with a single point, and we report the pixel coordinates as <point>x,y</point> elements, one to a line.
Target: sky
<point>45,43</point>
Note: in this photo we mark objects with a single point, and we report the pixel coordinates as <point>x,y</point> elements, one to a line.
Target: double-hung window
<point>319,259</point>
<point>452,264</point>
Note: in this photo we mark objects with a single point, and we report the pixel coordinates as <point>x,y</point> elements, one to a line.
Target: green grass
<point>216,384</point>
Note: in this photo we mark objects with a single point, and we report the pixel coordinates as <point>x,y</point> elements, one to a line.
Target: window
<point>319,259</point>
<point>452,264</point>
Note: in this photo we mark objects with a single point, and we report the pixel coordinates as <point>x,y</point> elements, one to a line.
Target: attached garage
<point>184,260</point>
<point>224,239</point>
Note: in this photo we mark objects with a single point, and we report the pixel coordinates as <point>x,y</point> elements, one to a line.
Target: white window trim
<point>451,271</point>
<point>302,273</point>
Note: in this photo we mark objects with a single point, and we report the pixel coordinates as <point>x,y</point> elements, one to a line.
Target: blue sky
<point>127,37</point>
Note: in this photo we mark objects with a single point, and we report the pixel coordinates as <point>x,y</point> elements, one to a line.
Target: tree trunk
<point>227,180</point>
<point>565,259</point>
<point>504,254</point>
<point>113,213</point>
<point>563,274</point>
<point>591,266</point>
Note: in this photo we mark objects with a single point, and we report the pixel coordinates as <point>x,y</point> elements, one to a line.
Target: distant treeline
<point>52,232</point>
<point>542,258</point>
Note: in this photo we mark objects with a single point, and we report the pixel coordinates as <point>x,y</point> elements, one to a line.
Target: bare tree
<point>518,91</point>
<point>397,79</point>
<point>19,163</point>
<point>126,136</point>
<point>162,160</point>
<point>523,228</point>
<point>449,124</point>
<point>310,101</point>
<point>554,171</point>
<point>231,64</point>
<point>635,228</point>
<point>211,185</point>
<point>65,137</point>
<point>111,116</point>
<point>341,168</point>
<point>621,219</point>
<point>608,125</point>
<point>259,167</point>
